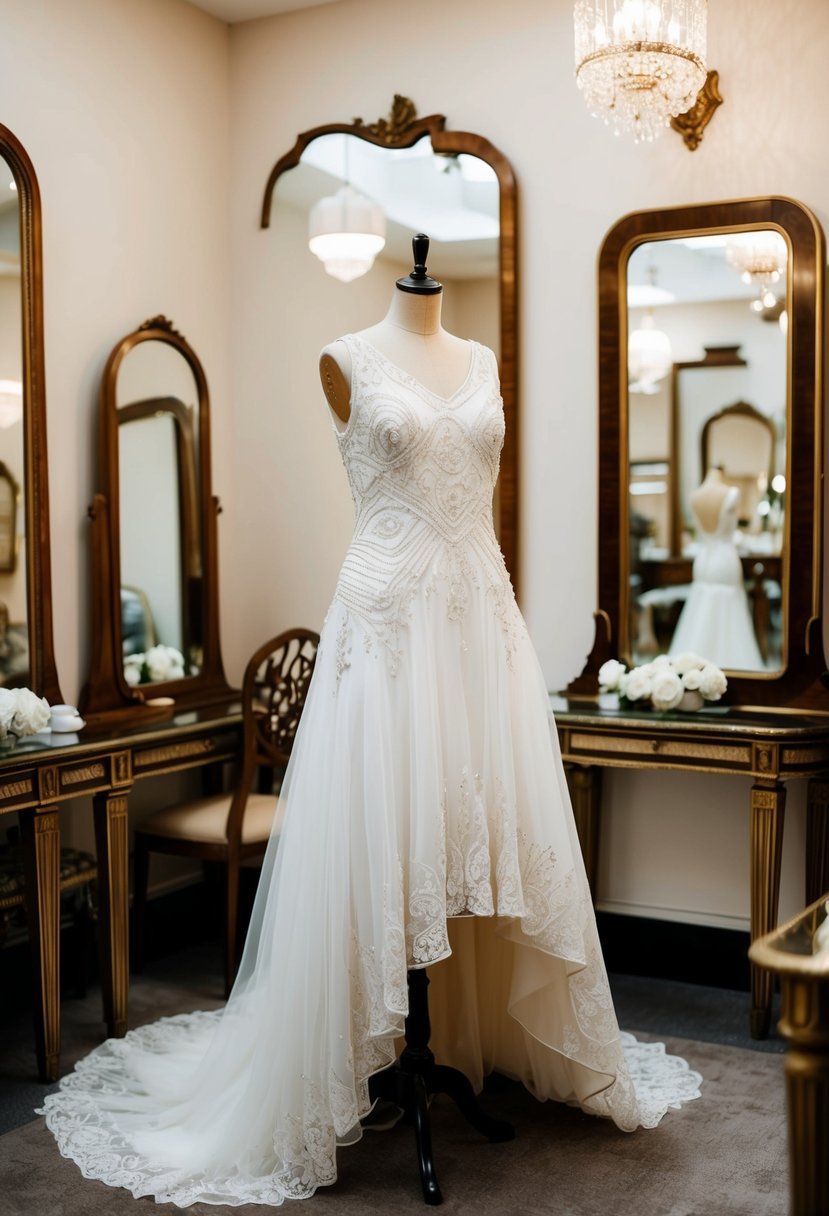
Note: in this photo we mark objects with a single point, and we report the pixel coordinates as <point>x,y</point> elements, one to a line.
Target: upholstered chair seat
<point>234,827</point>
<point>205,820</point>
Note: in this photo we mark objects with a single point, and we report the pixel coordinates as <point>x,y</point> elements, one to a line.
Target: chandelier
<point>650,357</point>
<point>760,259</point>
<point>346,232</point>
<point>640,63</point>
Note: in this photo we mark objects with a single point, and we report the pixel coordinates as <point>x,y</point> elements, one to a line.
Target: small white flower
<point>638,685</point>
<point>687,662</point>
<point>660,661</point>
<point>667,690</point>
<point>692,679</point>
<point>712,682</point>
<point>132,669</point>
<point>610,673</point>
<point>32,713</point>
<point>8,708</point>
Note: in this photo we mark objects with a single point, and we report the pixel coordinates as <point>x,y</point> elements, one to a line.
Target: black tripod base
<point>416,1077</point>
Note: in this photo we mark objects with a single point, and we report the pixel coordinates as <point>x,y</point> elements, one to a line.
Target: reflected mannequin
<point>715,622</point>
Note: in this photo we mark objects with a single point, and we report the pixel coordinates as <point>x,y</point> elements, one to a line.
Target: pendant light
<point>346,230</point>
<point>650,357</point>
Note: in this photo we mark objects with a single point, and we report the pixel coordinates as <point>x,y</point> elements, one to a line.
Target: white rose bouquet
<point>22,712</point>
<point>151,666</point>
<point>684,682</point>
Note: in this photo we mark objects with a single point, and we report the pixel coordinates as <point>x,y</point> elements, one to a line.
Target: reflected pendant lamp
<point>11,402</point>
<point>346,231</point>
<point>650,357</point>
<point>640,63</point>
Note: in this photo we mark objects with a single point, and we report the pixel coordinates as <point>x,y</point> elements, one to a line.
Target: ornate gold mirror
<point>156,594</point>
<point>710,492</point>
<point>26,646</point>
<point>417,177</point>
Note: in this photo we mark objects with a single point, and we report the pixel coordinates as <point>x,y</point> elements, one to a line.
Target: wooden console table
<point>41,772</point>
<point>769,747</point>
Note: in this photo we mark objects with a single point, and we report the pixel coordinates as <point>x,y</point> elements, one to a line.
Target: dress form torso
<point>410,336</point>
<point>707,500</point>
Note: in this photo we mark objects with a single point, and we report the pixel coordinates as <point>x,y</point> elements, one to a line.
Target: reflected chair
<point>230,828</point>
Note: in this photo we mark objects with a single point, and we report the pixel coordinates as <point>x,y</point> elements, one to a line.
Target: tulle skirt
<point>426,823</point>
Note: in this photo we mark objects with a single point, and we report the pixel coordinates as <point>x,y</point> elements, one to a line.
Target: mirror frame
<point>402,129</point>
<point>43,677</point>
<point>107,696</point>
<point>801,682</point>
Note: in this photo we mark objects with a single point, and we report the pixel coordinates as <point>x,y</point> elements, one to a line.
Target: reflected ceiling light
<point>12,184</point>
<point>648,295</point>
<point>11,402</point>
<point>639,63</point>
<point>346,231</point>
<point>759,258</point>
<point>778,483</point>
<point>650,357</point>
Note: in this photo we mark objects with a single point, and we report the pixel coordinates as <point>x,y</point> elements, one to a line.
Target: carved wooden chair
<point>229,828</point>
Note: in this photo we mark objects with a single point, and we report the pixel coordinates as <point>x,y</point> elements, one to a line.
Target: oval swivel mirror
<point>154,533</point>
<point>26,647</point>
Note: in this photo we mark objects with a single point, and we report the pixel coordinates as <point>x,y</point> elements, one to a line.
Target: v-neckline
<point>418,384</point>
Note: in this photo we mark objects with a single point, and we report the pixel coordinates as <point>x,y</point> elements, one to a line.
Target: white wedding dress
<point>715,622</point>
<point>425,783</point>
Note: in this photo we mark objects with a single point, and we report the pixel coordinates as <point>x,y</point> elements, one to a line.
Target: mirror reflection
<point>161,550</point>
<point>341,283</point>
<point>14,631</point>
<point>707,437</point>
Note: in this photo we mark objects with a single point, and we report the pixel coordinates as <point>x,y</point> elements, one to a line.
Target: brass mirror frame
<point>401,130</point>
<point>107,696</point>
<point>801,682</point>
<point>43,677</point>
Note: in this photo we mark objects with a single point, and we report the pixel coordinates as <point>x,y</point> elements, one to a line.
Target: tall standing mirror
<point>26,646</point>
<point>412,176</point>
<point>711,444</point>
<point>154,532</point>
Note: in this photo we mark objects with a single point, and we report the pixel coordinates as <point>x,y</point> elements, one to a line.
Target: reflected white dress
<point>716,622</point>
<point>425,783</point>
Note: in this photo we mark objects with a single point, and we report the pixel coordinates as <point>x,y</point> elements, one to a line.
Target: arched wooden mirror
<point>711,329</point>
<point>155,571</point>
<point>26,645</point>
<point>452,185</point>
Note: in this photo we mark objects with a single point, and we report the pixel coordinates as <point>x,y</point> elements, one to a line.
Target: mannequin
<point>410,336</point>
<point>716,621</point>
<point>707,499</point>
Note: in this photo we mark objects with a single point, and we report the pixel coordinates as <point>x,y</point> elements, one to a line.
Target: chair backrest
<point>274,689</point>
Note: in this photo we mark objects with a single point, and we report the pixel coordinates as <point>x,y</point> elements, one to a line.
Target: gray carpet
<point>720,1156</point>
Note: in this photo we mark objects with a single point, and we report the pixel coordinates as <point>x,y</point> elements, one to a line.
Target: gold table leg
<point>817,839</point>
<point>768,804</point>
<point>805,1024</point>
<point>111,842</point>
<point>40,830</point>
<point>585,784</point>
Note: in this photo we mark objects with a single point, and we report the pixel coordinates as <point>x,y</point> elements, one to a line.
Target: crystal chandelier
<point>639,63</point>
<point>759,258</point>
<point>650,357</point>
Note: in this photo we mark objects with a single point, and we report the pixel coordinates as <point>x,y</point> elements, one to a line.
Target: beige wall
<point>509,76</point>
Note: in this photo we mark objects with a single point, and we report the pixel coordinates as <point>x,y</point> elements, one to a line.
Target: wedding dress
<point>425,784</point>
<point>715,622</point>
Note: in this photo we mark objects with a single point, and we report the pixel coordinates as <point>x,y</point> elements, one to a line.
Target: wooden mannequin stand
<point>415,1077</point>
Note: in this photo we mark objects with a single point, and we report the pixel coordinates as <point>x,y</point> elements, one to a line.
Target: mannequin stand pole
<point>415,1077</point>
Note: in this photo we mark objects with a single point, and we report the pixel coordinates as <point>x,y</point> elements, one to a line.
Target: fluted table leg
<point>111,840</point>
<point>40,830</point>
<point>585,784</point>
<point>768,803</point>
<point>805,1024</point>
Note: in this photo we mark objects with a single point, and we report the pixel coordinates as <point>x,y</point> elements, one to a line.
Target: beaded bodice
<point>422,470</point>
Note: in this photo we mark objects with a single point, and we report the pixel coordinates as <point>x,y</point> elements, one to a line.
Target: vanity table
<point>42,772</point>
<point>768,746</point>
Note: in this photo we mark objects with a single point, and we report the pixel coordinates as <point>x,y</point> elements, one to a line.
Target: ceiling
<point>232,11</point>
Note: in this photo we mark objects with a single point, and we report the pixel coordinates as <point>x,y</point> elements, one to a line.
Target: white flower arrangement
<point>151,666</point>
<point>684,682</point>
<point>22,712</point>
